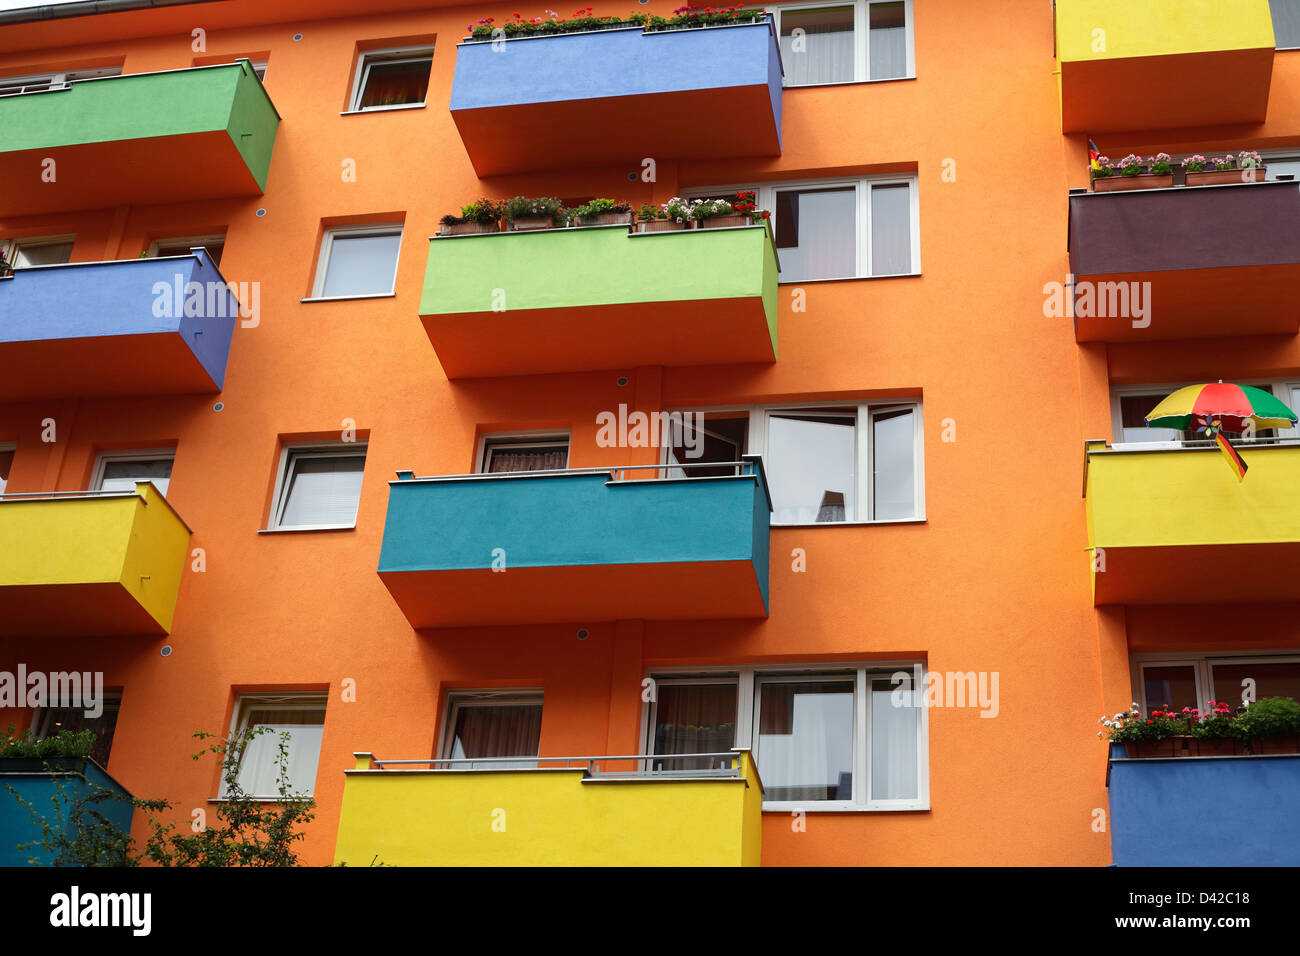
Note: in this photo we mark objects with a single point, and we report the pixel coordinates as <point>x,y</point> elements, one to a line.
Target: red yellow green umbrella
<point>1221,406</point>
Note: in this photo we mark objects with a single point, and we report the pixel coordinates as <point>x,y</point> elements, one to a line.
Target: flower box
<point>1223,177</point>
<point>1219,747</point>
<point>606,219</point>
<point>1115,184</point>
<point>469,228</point>
<point>1281,744</point>
<point>723,222</point>
<point>660,225</point>
<point>521,223</point>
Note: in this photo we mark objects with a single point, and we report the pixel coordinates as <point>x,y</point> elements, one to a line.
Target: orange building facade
<point>913,353</point>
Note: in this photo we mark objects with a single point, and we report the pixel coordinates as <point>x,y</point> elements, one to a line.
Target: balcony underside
<point>591,338</point>
<point>1200,574</point>
<point>700,590</point>
<point>619,130</point>
<point>104,609</point>
<point>156,170</point>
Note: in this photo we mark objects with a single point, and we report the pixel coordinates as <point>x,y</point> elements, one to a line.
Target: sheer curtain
<point>891,229</point>
<point>694,719</point>
<point>822,52</point>
<point>894,733</point>
<point>259,770</point>
<point>887,48</point>
<point>530,458</point>
<point>805,740</point>
<point>498,730</point>
<point>816,233</point>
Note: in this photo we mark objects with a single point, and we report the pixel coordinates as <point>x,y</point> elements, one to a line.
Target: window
<point>319,487</point>
<point>846,229</point>
<point>491,724</point>
<point>215,246</point>
<point>1130,404</point>
<point>45,251</point>
<point>6,464</point>
<point>52,721</point>
<point>713,437</point>
<point>845,42</point>
<point>1286,23</point>
<point>503,454</point>
<point>44,82</point>
<point>358,261</point>
<point>302,717</point>
<point>850,737</point>
<point>1193,680</point>
<point>390,79</point>
<point>119,471</point>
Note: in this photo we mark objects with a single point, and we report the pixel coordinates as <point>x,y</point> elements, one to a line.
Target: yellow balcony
<point>566,811</point>
<point>90,564</point>
<point>1140,65</point>
<point>1174,526</point>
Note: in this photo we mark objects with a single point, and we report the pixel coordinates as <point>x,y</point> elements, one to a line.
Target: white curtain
<point>888,53</point>
<point>805,740</point>
<point>816,233</point>
<point>893,746</point>
<point>891,229</point>
<point>259,770</point>
<point>823,54</point>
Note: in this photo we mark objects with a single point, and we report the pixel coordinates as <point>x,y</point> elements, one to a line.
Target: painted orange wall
<point>996,578</point>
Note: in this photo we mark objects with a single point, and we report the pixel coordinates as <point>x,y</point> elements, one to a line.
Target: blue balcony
<point>134,327</point>
<point>1205,811</point>
<point>615,97</point>
<point>60,790</point>
<point>577,546</point>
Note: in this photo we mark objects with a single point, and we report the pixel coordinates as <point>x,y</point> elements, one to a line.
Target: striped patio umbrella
<point>1222,407</point>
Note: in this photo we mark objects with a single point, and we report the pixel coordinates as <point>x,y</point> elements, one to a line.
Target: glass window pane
<point>805,740</point>
<point>396,84</point>
<point>1133,410</point>
<point>498,730</point>
<point>694,719</point>
<point>817,45</point>
<point>1286,23</point>
<point>323,491</point>
<point>1280,679</point>
<point>122,475</point>
<point>720,440</point>
<point>894,461</point>
<point>1171,687</point>
<point>259,771</point>
<point>894,733</point>
<point>891,230</point>
<point>6,463</point>
<point>810,468</point>
<point>58,719</point>
<point>361,265</point>
<point>1282,167</point>
<point>888,41</point>
<point>511,457</point>
<point>49,254</point>
<point>816,233</point>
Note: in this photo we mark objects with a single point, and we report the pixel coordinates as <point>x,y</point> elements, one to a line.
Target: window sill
<point>383,109</point>
<point>822,86</point>
<point>308,527</point>
<point>893,275</point>
<point>851,524</point>
<point>308,796</point>
<point>840,808</point>
<point>345,298</point>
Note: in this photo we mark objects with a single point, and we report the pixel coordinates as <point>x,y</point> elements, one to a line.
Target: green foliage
<point>66,744</point>
<point>709,208</point>
<point>648,212</point>
<point>582,21</point>
<point>1271,717</point>
<point>600,207</point>
<point>523,206</point>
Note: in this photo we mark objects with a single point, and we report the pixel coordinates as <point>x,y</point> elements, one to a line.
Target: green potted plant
<point>1245,167</point>
<point>1162,733</point>
<point>1217,731</point>
<point>1134,172</point>
<point>1272,724</point>
<point>481,216</point>
<point>543,212</point>
<point>26,753</point>
<point>603,212</point>
<point>681,212</point>
<point>650,218</point>
<point>718,214</point>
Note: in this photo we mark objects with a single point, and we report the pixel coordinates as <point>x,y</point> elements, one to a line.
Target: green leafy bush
<point>1271,717</point>
<point>521,207</point>
<point>66,744</point>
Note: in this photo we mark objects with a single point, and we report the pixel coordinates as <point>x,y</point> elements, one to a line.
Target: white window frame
<point>7,446</point>
<point>486,697</point>
<point>288,700</point>
<point>527,439</point>
<point>765,198</point>
<point>749,678</point>
<point>864,478</point>
<point>344,232</point>
<point>54,81</point>
<point>11,247</point>
<point>1283,389</point>
<point>290,452</point>
<point>118,457</point>
<point>368,58</point>
<point>190,241</point>
<point>861,38</point>
<point>1202,663</point>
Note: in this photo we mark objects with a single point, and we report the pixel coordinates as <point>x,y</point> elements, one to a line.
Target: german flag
<point>1093,153</point>
<point>1235,461</point>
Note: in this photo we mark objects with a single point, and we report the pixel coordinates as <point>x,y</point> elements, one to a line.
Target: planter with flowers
<point>1272,724</point>
<point>1133,172</point>
<point>481,216</point>
<point>602,212</point>
<point>681,211</point>
<point>717,214</point>
<point>654,219</point>
<point>524,213</point>
<point>1245,167</point>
